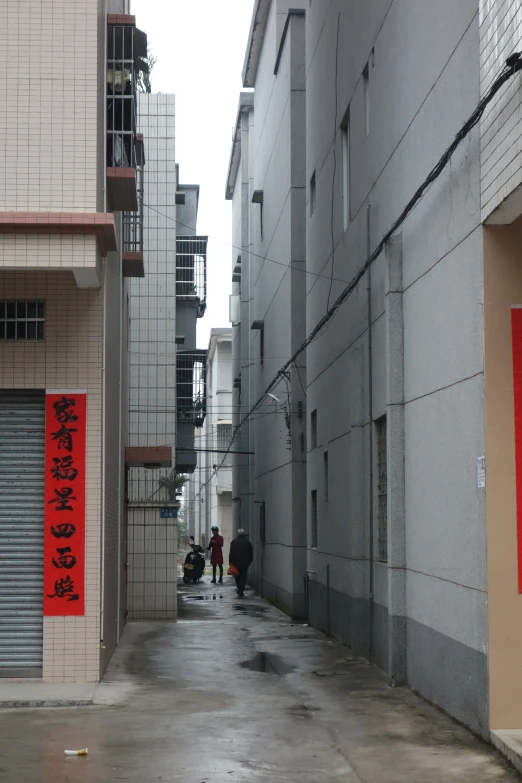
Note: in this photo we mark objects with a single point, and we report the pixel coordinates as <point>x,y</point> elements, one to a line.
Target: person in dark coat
<point>241,556</point>
<point>216,558</point>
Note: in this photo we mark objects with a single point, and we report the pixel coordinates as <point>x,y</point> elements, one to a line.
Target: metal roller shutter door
<point>22,452</point>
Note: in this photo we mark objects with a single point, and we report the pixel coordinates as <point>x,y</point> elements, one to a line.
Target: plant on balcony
<point>173,484</point>
<point>143,82</point>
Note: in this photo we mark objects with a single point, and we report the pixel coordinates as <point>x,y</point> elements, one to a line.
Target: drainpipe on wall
<point>104,318</point>
<point>370,435</point>
<point>103,417</point>
<point>120,478</point>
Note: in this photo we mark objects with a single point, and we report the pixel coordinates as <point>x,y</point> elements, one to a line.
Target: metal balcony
<point>126,55</point>
<point>132,251</point>
<point>191,271</point>
<point>191,387</point>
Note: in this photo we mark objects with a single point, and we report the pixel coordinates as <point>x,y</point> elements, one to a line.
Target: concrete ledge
<point>45,694</point>
<point>509,743</point>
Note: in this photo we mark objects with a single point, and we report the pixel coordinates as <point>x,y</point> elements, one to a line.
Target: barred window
<point>22,320</point>
<point>382,488</point>
<point>224,437</point>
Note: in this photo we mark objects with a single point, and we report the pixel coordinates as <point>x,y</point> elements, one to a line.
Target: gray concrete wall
<point>272,291</point>
<point>187,213</point>
<point>242,490</point>
<point>427,619</point>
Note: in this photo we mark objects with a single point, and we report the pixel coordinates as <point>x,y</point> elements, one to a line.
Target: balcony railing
<point>191,387</point>
<point>133,221</point>
<point>126,55</point>
<point>191,271</point>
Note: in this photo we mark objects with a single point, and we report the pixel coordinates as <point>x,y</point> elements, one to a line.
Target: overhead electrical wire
<point>242,249</point>
<point>512,66</point>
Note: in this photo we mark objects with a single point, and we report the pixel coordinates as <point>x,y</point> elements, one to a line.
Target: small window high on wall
<point>22,320</point>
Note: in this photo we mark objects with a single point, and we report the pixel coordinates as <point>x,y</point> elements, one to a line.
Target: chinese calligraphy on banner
<point>64,518</point>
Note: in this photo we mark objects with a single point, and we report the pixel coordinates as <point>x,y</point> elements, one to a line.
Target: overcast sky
<point>200,46</point>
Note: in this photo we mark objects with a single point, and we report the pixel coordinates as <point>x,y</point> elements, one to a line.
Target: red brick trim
<point>99,223</point>
<point>140,456</point>
<point>125,19</point>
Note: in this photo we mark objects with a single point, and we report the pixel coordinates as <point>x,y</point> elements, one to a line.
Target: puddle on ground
<point>251,609</point>
<point>267,664</point>
<point>212,597</point>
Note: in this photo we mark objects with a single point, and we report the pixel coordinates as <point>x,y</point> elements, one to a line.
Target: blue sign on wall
<point>168,513</point>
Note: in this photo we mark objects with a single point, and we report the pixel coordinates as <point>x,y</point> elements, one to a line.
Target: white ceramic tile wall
<point>152,548</point>
<point>500,128</point>
<point>152,557</point>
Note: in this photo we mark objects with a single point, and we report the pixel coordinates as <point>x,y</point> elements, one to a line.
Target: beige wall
<point>502,289</point>
<point>70,357</point>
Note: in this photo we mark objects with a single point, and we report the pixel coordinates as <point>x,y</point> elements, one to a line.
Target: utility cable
<point>242,249</point>
<point>512,66</point>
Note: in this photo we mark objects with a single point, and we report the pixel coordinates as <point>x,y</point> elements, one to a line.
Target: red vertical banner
<point>64,516</point>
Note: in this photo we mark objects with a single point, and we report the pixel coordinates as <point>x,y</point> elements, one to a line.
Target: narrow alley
<point>237,692</point>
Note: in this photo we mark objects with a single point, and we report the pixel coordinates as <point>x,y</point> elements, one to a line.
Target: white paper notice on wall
<point>481,472</point>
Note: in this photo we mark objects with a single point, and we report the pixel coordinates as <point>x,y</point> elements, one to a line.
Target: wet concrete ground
<point>235,692</point>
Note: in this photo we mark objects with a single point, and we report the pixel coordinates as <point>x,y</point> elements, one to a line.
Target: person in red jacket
<point>216,558</point>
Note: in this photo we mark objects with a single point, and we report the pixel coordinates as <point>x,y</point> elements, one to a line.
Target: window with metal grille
<point>191,270</point>
<point>22,320</point>
<point>313,515</point>
<point>382,488</point>
<point>224,437</point>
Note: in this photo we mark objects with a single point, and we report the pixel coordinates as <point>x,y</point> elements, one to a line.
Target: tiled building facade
<point>61,248</point>
<point>152,539</point>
